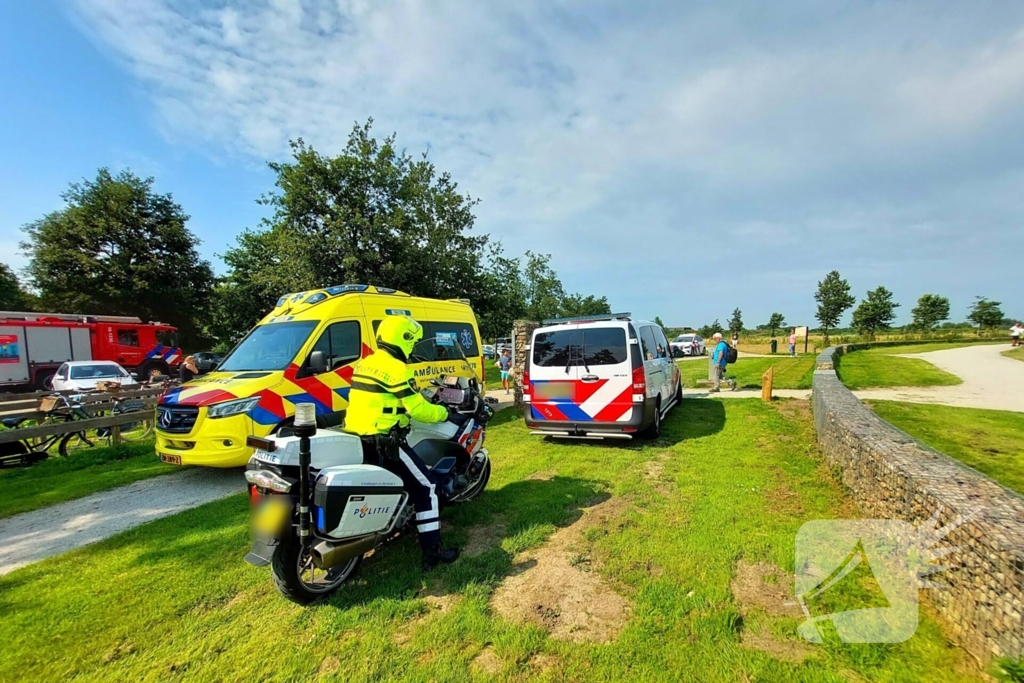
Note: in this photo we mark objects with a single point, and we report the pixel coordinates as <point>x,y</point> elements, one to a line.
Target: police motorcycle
<point>319,504</point>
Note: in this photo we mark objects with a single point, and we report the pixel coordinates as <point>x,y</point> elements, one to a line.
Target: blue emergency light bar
<point>586,318</point>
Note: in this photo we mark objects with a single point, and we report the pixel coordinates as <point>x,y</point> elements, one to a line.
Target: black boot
<point>438,554</point>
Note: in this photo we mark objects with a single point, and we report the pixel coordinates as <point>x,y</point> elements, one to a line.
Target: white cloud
<point>590,129</point>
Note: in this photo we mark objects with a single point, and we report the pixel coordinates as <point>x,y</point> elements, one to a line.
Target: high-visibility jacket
<point>383,394</point>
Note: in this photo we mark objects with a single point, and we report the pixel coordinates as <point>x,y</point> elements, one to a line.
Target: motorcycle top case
<point>355,500</point>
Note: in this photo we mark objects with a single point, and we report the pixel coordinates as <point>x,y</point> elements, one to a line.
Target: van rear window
<point>590,346</point>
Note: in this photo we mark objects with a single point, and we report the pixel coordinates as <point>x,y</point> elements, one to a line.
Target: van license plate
<point>170,459</point>
<point>553,390</point>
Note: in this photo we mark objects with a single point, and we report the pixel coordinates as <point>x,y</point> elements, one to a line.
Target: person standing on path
<point>1015,334</point>
<point>720,357</point>
<point>505,363</point>
<point>792,342</point>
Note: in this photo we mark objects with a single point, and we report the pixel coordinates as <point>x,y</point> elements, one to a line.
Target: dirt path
<point>990,380</point>
<point>36,535</point>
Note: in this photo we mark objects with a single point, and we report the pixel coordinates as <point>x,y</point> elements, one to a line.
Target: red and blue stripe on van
<point>577,401</point>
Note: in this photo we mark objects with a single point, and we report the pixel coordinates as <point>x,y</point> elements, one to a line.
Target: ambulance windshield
<point>269,347</point>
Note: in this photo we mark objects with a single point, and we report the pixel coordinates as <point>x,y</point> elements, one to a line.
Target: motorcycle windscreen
<point>443,354</point>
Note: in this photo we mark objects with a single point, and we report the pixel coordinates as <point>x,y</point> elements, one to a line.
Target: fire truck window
<point>128,337</point>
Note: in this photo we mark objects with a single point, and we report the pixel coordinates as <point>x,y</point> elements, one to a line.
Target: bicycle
<point>56,409</point>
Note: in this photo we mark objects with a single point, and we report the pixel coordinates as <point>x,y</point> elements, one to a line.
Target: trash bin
<point>775,345</point>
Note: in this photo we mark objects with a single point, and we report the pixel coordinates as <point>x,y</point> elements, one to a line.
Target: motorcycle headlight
<point>236,407</point>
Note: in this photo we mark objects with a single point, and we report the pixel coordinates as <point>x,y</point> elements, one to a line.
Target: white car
<point>82,375</point>
<point>688,345</point>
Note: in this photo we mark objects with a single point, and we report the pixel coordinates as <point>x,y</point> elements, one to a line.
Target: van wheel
<point>654,431</point>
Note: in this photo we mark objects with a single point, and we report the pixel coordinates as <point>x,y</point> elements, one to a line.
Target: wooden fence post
<point>766,384</point>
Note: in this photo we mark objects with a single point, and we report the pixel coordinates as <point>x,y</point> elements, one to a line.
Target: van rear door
<point>605,374</point>
<point>581,373</point>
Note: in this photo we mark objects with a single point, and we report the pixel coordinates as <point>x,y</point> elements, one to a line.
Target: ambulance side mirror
<point>317,363</point>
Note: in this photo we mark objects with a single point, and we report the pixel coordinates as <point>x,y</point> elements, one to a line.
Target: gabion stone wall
<point>894,476</point>
<point>522,331</point>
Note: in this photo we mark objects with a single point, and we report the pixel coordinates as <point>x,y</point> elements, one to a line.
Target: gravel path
<point>33,536</point>
<point>990,380</point>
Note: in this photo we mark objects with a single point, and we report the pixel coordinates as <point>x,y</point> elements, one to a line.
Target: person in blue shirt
<point>720,359</point>
<point>505,363</point>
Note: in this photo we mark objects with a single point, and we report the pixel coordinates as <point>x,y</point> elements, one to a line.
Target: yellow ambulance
<point>255,389</point>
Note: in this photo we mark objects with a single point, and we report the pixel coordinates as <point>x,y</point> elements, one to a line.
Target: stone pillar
<point>522,331</point>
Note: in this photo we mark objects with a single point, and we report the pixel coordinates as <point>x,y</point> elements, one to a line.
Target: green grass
<point>925,348</point>
<point>987,440</point>
<point>790,372</point>
<point>864,370</point>
<point>174,600</point>
<point>1016,354</point>
<point>57,479</point>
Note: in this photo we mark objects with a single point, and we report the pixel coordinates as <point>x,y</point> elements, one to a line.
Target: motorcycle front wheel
<point>298,578</point>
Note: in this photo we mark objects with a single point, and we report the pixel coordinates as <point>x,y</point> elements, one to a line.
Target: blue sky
<point>681,158</point>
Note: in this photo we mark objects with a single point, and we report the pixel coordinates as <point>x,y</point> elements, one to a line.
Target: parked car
<point>489,351</point>
<point>605,378</point>
<point>83,375</point>
<point>502,344</point>
<point>207,361</point>
<point>688,345</point>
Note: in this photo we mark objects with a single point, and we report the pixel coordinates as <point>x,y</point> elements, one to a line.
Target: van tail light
<point>527,389</point>
<point>639,381</point>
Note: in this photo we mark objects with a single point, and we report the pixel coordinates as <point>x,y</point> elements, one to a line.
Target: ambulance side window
<point>340,343</point>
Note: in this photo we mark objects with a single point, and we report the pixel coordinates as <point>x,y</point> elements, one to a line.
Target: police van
<point>598,377</point>
<point>301,352</point>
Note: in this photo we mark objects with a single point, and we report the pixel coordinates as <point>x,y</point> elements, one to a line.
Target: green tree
<point>931,310</point>
<point>544,291</point>
<point>875,313</point>
<point>657,321</point>
<point>577,304</point>
<point>708,331</point>
<point>13,296</point>
<point>985,314</point>
<point>736,321</point>
<point>834,299</point>
<point>775,322</point>
<point>119,248</point>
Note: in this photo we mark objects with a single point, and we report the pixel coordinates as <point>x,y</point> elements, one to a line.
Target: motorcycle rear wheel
<point>299,580</point>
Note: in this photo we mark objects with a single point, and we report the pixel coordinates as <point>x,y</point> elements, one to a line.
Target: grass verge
<point>1016,354</point>
<point>57,479</point>
<point>729,482</point>
<point>790,372</point>
<point>866,370</point>
<point>987,440</point>
<point>925,348</point>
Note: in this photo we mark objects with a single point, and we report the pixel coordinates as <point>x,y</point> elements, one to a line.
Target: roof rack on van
<point>586,318</point>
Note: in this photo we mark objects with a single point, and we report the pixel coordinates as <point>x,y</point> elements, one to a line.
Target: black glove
<point>456,417</point>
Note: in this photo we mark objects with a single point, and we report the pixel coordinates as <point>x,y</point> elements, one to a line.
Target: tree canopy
<point>985,314</point>
<point>775,322</point>
<point>375,215</point>
<point>119,248</point>
<point>931,310</point>
<point>875,313</point>
<point>13,296</point>
<point>834,299</point>
<point>736,321</point>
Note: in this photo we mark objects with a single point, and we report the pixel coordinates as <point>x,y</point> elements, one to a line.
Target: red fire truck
<point>33,345</point>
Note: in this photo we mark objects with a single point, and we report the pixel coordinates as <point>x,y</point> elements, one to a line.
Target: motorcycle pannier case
<point>355,500</point>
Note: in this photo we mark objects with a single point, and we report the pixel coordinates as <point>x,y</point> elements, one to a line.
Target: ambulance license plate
<point>170,459</point>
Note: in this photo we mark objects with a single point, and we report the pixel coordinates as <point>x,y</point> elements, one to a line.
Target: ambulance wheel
<point>299,580</point>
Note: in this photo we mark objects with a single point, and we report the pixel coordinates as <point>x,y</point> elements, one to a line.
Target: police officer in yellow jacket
<point>383,397</point>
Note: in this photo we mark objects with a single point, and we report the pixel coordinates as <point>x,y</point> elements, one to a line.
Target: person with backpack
<point>722,356</point>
